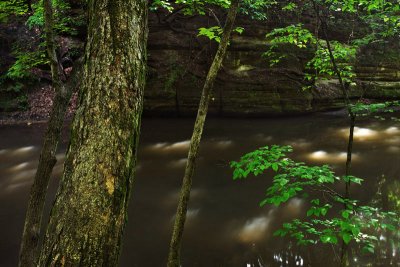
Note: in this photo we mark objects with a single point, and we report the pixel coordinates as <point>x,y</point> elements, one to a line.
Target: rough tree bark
<point>174,250</point>
<point>31,234</point>
<point>90,210</point>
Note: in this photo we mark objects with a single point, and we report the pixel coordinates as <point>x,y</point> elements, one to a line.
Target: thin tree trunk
<point>344,247</point>
<point>29,4</point>
<point>174,250</point>
<point>31,235</point>
<point>349,151</point>
<point>90,210</point>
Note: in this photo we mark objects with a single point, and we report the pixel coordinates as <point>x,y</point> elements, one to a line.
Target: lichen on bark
<point>90,210</point>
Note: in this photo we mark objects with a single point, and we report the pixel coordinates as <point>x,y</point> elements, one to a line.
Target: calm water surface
<point>226,226</point>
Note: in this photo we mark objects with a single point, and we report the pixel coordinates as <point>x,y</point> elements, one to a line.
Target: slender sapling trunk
<point>174,250</point>
<point>31,233</point>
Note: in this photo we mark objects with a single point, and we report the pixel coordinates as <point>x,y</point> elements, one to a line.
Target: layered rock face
<point>178,62</point>
<point>247,85</point>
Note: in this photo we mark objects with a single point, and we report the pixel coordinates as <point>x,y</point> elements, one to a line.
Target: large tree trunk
<point>90,210</point>
<point>174,250</point>
<point>31,235</point>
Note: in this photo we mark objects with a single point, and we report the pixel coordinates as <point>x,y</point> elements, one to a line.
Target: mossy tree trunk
<point>174,250</point>
<point>90,210</point>
<point>31,234</point>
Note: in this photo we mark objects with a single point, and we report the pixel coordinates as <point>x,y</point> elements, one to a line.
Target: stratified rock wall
<point>178,62</point>
<point>247,85</point>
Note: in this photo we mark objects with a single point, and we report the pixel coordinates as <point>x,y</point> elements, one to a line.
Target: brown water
<point>225,226</point>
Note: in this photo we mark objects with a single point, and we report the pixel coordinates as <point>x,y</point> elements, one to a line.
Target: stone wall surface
<point>247,85</point>
<point>178,61</point>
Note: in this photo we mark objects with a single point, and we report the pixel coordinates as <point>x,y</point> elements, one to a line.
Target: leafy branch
<point>352,223</point>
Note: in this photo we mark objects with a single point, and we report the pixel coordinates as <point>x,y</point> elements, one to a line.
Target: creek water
<point>225,226</point>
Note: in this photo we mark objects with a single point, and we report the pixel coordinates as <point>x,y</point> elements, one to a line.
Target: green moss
<point>174,74</point>
<point>384,90</point>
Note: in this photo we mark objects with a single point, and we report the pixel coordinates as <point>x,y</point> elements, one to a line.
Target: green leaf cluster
<point>321,67</point>
<point>354,223</point>
<point>62,22</point>
<point>258,161</point>
<point>215,32</point>
<point>365,109</point>
<point>12,8</point>
<point>294,35</point>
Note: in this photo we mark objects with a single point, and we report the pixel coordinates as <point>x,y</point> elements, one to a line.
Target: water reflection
<point>392,130</point>
<point>224,144</point>
<point>19,166</point>
<point>293,208</point>
<point>393,149</point>
<point>261,137</point>
<point>365,134</point>
<point>288,259</point>
<point>226,225</point>
<point>392,140</point>
<point>325,157</point>
<point>23,151</point>
<point>180,163</point>
<point>300,144</point>
<point>181,146</point>
<point>255,229</point>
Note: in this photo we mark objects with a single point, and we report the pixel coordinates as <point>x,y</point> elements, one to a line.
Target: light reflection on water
<point>226,227</point>
<point>255,229</point>
<point>164,147</point>
<point>329,158</point>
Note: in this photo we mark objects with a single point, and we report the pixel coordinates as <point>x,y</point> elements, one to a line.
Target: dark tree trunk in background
<point>90,210</point>
<point>29,4</point>
<point>344,260</point>
<point>31,234</point>
<point>173,257</point>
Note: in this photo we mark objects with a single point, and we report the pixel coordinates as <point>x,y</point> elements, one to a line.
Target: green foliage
<point>212,33</point>
<point>215,32</point>
<point>174,75</point>
<point>189,7</point>
<point>258,161</point>
<point>157,4</point>
<point>394,195</point>
<point>320,66</point>
<point>12,8</point>
<point>22,102</point>
<point>294,35</point>
<point>289,7</point>
<point>321,63</point>
<point>11,104</point>
<point>365,109</point>
<point>353,222</point>
<point>256,9</point>
<point>24,63</point>
<point>252,8</point>
<point>28,56</point>
<point>62,22</point>
<point>382,17</point>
